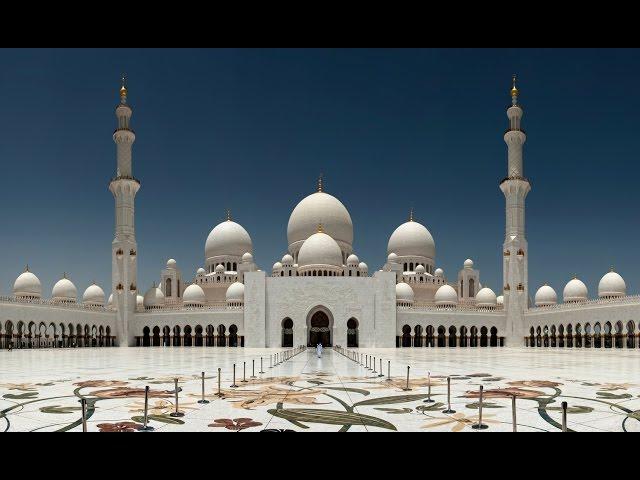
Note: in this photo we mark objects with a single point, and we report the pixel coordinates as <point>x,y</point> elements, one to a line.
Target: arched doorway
<point>319,331</point>
<point>222,337</point>
<point>166,336</point>
<point>417,336</point>
<point>493,340</point>
<point>631,338</point>
<point>233,336</point>
<point>483,337</point>
<point>145,337</point>
<point>156,336</point>
<point>430,336</point>
<point>442,341</point>
<point>287,333</point>
<point>187,342</point>
<point>211,336</point>
<point>199,341</point>
<point>406,336</point>
<point>352,333</point>
<point>452,336</point>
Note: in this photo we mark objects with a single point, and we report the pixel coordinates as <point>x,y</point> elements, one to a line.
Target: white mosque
<point>320,291</point>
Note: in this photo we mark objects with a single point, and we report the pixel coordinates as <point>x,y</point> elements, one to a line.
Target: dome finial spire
<point>228,215</point>
<point>26,269</point>
<point>411,215</point>
<point>320,228</point>
<point>514,91</point>
<point>123,89</point>
<point>320,183</point>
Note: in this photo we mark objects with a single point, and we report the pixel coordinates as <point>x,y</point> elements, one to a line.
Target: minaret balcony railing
<point>515,177</point>
<point>124,177</point>
<point>123,130</point>
<point>514,130</point>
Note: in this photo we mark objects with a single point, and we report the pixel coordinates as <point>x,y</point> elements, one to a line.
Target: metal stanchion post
<point>253,369</point>
<point>564,416</point>
<point>480,425</point>
<point>448,410</point>
<point>233,385</point>
<point>203,400</point>
<point>244,372</point>
<point>513,414</point>
<point>429,399</point>
<point>145,423</point>
<point>219,394</point>
<point>380,374</point>
<point>261,369</point>
<point>374,365</point>
<point>407,389</point>
<point>177,413</point>
<point>388,370</point>
<point>83,405</point>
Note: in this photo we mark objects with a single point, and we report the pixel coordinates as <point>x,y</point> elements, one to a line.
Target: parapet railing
<point>52,303</point>
<point>464,307</point>
<point>217,306</point>
<point>626,300</point>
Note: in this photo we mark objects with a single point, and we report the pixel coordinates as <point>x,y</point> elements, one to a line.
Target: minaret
<point>515,251</point>
<point>124,247</point>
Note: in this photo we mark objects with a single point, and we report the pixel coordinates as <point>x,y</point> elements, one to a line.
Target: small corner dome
<point>546,296</point>
<point>201,271</point>
<point>392,258</point>
<point>64,290</point>
<point>446,295</point>
<point>277,266</point>
<point>93,295</point>
<point>110,301</point>
<point>420,269</point>
<point>220,268</point>
<point>139,301</point>
<point>500,300</point>
<point>439,272</point>
<point>412,239</point>
<point>194,295</point>
<point>363,266</point>
<point>247,258</point>
<point>353,260</point>
<point>287,259</point>
<point>235,292</point>
<point>575,291</point>
<point>320,249</point>
<point>153,298</point>
<point>27,285</point>
<point>228,239</point>
<point>404,293</point>
<point>172,264</point>
<point>468,263</point>
<point>486,298</point>
<point>612,285</point>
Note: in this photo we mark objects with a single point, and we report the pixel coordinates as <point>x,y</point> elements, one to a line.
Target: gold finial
<point>123,89</point>
<point>228,215</point>
<point>411,215</point>
<point>611,269</point>
<point>26,269</point>
<point>575,277</point>
<point>320,183</point>
<point>320,229</point>
<point>514,90</point>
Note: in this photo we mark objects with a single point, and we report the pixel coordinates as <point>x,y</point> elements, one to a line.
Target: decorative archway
<point>287,333</point>
<point>352,333</point>
<point>320,326</point>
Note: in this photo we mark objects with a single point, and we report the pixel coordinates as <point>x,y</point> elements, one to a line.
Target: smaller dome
<point>93,295</point>
<point>486,298</point>
<point>110,301</point>
<point>363,266</point>
<point>139,301</point>
<point>235,293</point>
<point>420,270</point>
<point>320,249</point>
<point>194,295</point>
<point>220,268</point>
<point>27,285</point>
<point>439,272</point>
<point>404,293</point>
<point>201,271</point>
<point>247,258</point>
<point>392,258</point>
<point>446,296</point>
<point>287,260</point>
<point>154,298</point>
<point>500,300</point>
<point>575,291</point>
<point>64,291</point>
<point>277,266</point>
<point>612,285</point>
<point>172,264</point>
<point>468,263</point>
<point>353,260</point>
<point>545,296</point>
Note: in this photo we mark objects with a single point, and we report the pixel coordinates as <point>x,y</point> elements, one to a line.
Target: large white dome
<point>64,291</point>
<point>320,249</point>
<point>612,285</point>
<point>154,298</point>
<point>228,239</point>
<point>27,285</point>
<point>194,295</point>
<point>404,293</point>
<point>575,291</point>
<point>486,298</point>
<point>319,208</point>
<point>412,239</point>
<point>446,295</point>
<point>93,295</point>
<point>235,292</point>
<point>545,296</point>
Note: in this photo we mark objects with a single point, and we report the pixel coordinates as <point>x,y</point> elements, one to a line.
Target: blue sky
<point>250,130</point>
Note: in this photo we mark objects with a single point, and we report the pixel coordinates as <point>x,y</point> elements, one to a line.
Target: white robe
<point>319,350</point>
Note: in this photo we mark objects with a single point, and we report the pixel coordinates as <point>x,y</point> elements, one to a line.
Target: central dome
<point>320,249</point>
<point>228,239</point>
<point>319,208</point>
<point>412,239</point>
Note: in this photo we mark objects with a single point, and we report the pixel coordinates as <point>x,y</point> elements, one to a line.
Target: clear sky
<point>250,130</point>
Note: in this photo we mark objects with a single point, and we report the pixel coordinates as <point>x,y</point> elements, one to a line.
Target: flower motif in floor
<point>459,421</point>
<point>236,424</point>
<point>160,407</point>
<point>535,384</point>
<point>119,427</point>
<point>127,392</point>
<point>271,395</point>
<point>100,383</point>
<point>506,393</point>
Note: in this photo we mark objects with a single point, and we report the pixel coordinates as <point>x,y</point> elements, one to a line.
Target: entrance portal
<point>319,331</point>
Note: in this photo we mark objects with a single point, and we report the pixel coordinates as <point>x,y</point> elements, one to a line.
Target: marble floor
<point>40,390</point>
